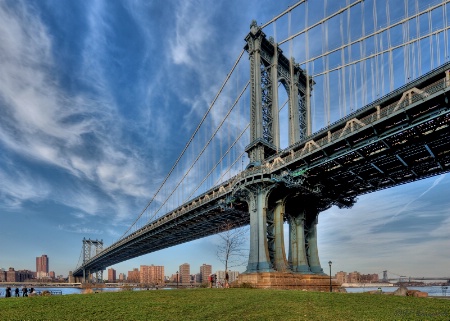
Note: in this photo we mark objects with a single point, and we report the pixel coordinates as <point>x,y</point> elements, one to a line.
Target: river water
<point>432,290</point>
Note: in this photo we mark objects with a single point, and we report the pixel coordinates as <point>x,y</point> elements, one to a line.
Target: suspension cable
<point>320,22</point>
<point>288,10</point>
<point>188,143</point>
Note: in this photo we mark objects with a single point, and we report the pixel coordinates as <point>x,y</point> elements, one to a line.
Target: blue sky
<point>97,100</point>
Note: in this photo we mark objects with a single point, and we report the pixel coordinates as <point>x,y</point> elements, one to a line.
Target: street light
<point>177,279</point>
<point>329,263</point>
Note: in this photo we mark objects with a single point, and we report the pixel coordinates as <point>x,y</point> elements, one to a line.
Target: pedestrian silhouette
<point>17,292</point>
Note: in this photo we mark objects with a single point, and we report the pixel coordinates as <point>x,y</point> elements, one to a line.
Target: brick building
<point>42,266</point>
<point>205,271</point>
<point>111,275</point>
<point>185,273</point>
<point>18,276</point>
<point>151,274</point>
<point>133,276</point>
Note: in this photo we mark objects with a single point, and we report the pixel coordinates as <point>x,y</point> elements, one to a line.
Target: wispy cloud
<point>435,183</point>
<point>43,122</point>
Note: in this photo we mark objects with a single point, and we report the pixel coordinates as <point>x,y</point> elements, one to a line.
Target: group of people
<point>16,292</point>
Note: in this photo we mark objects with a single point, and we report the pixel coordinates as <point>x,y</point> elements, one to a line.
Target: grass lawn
<point>224,304</point>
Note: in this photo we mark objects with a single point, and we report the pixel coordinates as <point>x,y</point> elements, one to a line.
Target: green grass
<point>224,304</point>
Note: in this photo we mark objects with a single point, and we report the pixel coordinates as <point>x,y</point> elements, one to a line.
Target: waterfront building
<point>111,275</point>
<point>151,274</point>
<point>122,277</point>
<point>354,277</point>
<point>370,278</point>
<point>2,275</point>
<point>185,273</point>
<point>341,277</point>
<point>18,276</point>
<point>133,276</point>
<point>42,266</point>
<point>52,274</point>
<point>205,271</point>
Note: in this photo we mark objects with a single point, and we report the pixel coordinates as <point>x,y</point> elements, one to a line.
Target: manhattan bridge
<point>327,101</point>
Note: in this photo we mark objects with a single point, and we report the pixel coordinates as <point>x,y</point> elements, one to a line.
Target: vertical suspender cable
<point>383,66</point>
<point>349,58</point>
<point>313,103</point>
<point>445,34</point>
<point>418,49</point>
<point>327,75</point>
<point>289,34</point>
<point>390,53</point>
<point>375,27</point>
<point>341,72</point>
<point>362,64</point>
<point>407,47</point>
<point>430,29</point>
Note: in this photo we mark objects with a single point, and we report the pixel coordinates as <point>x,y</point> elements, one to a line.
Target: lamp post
<point>177,279</point>
<point>329,263</point>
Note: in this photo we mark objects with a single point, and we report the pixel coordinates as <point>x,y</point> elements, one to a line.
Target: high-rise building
<point>42,266</point>
<point>185,273</point>
<point>205,271</point>
<point>111,275</point>
<point>151,274</point>
<point>133,276</point>
<point>122,277</point>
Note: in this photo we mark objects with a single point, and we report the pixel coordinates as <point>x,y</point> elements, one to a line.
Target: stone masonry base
<point>285,280</point>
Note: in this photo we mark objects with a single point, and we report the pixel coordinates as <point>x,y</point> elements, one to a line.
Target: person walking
<point>17,292</point>
<point>24,291</point>
<point>8,292</point>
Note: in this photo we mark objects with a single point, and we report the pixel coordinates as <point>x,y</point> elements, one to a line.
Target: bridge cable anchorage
<point>187,144</point>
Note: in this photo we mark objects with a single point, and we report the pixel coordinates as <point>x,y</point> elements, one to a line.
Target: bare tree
<point>231,251</point>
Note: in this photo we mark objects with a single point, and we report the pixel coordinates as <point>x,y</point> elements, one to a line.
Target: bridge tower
<point>270,204</point>
<point>268,67</point>
<point>90,249</point>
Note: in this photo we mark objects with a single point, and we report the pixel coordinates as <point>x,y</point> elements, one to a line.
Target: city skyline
<point>96,103</point>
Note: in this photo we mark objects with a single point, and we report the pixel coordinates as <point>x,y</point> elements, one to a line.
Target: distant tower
<point>90,249</point>
<point>205,271</point>
<point>385,277</point>
<point>111,275</point>
<point>185,273</point>
<point>42,266</point>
